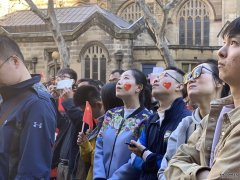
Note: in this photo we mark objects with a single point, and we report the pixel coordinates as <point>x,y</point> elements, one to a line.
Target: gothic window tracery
<point>95,61</point>
<point>194,25</point>
<point>131,13</point>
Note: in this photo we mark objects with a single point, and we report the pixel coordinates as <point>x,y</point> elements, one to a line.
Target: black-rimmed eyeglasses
<point>165,74</point>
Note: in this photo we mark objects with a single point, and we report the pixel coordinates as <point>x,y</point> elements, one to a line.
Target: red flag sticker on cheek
<point>167,85</point>
<point>127,87</point>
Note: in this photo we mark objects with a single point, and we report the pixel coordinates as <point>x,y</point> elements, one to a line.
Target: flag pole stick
<point>83,126</point>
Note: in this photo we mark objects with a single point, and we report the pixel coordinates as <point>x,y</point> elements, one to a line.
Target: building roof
<point>68,18</point>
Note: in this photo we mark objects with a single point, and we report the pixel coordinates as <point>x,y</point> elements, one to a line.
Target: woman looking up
<point>121,124</point>
<point>203,86</point>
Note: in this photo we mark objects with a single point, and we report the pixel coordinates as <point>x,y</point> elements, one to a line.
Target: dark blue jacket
<point>75,114</point>
<point>155,138</point>
<point>27,134</point>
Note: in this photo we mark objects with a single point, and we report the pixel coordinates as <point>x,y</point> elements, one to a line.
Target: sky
<point>3,7</point>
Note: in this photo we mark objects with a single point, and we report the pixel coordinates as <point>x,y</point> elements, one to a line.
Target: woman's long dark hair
<point>214,67</point>
<point>145,95</point>
<point>109,98</point>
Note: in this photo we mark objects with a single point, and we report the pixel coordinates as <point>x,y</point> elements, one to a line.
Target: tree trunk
<point>166,54</point>
<point>159,30</point>
<point>51,20</point>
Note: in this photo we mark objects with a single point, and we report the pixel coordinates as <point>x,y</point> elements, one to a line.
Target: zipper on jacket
<point>114,143</point>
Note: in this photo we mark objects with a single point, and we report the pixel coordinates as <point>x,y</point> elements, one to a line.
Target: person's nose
<point>119,82</point>
<point>156,80</point>
<point>222,52</point>
<point>191,79</point>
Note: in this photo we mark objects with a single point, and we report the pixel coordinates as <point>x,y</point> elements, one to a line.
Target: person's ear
<point>73,81</point>
<point>219,84</point>
<point>139,88</point>
<point>16,61</point>
<point>179,87</point>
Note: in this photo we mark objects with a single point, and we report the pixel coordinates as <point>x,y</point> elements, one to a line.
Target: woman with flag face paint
<point>121,124</point>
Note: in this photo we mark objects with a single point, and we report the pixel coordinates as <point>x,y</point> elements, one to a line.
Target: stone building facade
<point>100,41</point>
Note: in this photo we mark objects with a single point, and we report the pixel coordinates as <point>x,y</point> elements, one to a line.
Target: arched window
<point>181,31</point>
<point>198,31</point>
<point>95,61</point>
<point>206,30</point>
<point>131,13</point>
<point>189,31</point>
<point>194,23</point>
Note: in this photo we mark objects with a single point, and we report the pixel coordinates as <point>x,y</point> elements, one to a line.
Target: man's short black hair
<point>69,71</point>
<point>9,47</point>
<point>97,83</point>
<point>182,73</point>
<point>179,71</point>
<point>86,93</point>
<point>120,71</point>
<point>232,29</point>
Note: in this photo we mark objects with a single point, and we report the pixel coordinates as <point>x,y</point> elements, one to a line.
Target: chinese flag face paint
<point>127,86</point>
<point>167,85</point>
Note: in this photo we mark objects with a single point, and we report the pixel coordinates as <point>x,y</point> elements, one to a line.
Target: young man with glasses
<point>66,125</point>
<point>213,150</point>
<point>168,89</point>
<point>27,118</point>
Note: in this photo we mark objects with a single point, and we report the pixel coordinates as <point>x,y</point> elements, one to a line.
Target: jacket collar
<point>223,101</point>
<point>196,116</point>
<point>233,114</point>
<point>177,105</point>
<point>11,91</point>
<point>138,110</point>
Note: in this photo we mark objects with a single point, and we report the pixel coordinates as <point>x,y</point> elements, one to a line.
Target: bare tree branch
<point>171,4</point>
<point>37,11</point>
<point>51,20</point>
<point>150,20</point>
<point>164,24</point>
<point>160,4</point>
<point>159,29</point>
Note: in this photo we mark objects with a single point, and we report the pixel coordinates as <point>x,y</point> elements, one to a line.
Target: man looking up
<point>168,89</point>
<point>213,150</point>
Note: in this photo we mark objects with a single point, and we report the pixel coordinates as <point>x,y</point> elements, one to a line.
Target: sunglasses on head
<point>196,73</point>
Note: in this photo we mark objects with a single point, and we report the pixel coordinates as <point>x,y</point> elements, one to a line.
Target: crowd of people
<point>182,126</point>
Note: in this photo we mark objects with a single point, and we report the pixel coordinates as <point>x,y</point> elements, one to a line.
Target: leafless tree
<point>51,21</point>
<point>159,29</point>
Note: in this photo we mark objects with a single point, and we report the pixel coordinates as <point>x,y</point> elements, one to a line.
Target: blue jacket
<point>113,162</point>
<point>27,134</point>
<point>155,139</point>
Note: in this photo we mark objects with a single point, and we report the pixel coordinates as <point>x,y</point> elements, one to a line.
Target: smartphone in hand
<point>66,83</point>
<point>130,144</point>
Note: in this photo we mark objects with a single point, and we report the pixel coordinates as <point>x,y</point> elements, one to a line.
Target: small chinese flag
<point>87,116</point>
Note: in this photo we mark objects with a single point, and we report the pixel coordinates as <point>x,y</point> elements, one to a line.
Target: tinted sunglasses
<point>196,73</point>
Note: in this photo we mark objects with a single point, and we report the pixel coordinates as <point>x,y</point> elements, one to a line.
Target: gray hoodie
<point>178,137</point>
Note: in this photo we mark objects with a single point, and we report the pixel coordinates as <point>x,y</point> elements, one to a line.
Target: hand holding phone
<point>130,144</point>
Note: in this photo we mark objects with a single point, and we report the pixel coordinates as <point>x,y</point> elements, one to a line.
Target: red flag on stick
<point>87,116</point>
